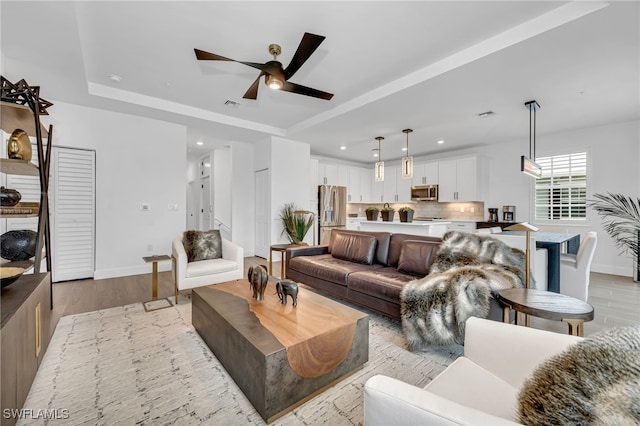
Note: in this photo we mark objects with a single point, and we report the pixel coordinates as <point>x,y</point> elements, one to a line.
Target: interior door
<point>262,240</point>
<point>73,214</point>
<point>206,208</point>
<point>192,206</point>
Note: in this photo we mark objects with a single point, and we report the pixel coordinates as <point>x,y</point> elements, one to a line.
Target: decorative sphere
<point>18,245</point>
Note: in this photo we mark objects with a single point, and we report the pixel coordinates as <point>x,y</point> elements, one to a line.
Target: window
<point>561,192</point>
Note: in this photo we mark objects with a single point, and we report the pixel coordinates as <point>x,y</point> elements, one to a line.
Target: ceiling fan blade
<point>268,68</point>
<point>206,56</point>
<point>307,46</point>
<point>252,91</point>
<point>307,91</point>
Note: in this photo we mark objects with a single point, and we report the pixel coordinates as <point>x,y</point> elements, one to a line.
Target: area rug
<point>127,366</point>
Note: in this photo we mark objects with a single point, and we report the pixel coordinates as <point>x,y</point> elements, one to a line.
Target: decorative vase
<point>406,216</point>
<point>18,245</point>
<point>387,216</point>
<point>19,146</point>
<point>372,214</point>
<point>9,197</point>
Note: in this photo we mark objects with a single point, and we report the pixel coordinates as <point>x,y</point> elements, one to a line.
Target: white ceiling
<point>431,66</point>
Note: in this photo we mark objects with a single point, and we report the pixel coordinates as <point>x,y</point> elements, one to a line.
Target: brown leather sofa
<point>366,268</point>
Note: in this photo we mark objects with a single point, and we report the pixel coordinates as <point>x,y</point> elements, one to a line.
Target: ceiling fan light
<point>274,82</point>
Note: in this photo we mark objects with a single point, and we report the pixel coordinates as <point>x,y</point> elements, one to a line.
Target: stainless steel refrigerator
<point>332,210</point>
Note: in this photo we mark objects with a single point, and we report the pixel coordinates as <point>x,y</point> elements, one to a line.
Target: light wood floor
<point>616,300</point>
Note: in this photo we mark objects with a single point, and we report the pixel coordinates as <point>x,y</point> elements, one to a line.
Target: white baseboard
<point>612,270</point>
<point>130,270</point>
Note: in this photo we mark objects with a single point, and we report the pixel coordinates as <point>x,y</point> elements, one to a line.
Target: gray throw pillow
<point>595,382</point>
<point>202,245</point>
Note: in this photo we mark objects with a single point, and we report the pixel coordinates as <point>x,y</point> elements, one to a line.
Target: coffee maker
<point>493,215</point>
<point>509,213</point>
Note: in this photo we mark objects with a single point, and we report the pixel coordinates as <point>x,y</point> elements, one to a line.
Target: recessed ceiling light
<point>486,114</point>
<point>440,142</point>
<point>115,77</point>
<point>232,104</point>
<point>199,143</point>
<point>404,148</point>
<point>343,148</point>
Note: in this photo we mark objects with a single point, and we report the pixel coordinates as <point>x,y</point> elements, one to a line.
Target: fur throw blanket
<point>466,270</point>
<point>595,382</point>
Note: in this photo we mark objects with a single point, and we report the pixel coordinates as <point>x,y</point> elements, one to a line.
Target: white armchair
<point>479,388</point>
<point>205,272</point>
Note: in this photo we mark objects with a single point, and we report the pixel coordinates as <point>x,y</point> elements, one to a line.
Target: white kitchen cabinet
<point>457,180</point>
<point>333,174</point>
<point>354,189</point>
<point>403,188</point>
<point>366,181</point>
<point>393,189</point>
<point>425,174</point>
<point>389,191</point>
<point>377,191</point>
<point>359,187</point>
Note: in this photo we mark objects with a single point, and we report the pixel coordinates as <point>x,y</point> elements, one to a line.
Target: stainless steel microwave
<point>424,193</point>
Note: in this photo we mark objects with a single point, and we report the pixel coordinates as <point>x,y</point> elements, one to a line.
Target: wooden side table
<point>548,305</point>
<point>150,305</point>
<point>281,248</point>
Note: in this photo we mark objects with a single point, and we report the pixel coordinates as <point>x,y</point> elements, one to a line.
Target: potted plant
<point>387,213</point>
<point>372,213</point>
<point>406,214</point>
<point>295,225</point>
<point>621,216</point>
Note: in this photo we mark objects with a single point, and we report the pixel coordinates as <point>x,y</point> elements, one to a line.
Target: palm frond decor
<point>295,225</point>
<point>621,219</point>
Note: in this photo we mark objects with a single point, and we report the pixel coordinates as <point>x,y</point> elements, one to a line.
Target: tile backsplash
<point>471,211</point>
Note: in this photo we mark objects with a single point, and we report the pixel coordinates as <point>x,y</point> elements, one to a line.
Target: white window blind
<point>561,192</point>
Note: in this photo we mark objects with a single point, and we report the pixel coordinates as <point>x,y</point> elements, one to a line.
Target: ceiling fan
<point>275,76</point>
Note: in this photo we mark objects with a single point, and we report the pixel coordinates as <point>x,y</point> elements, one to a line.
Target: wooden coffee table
<point>279,355</point>
<point>548,305</point>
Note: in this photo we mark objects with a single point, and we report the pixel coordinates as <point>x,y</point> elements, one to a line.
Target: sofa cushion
<point>384,283</point>
<point>395,245</point>
<point>202,245</point>
<point>470,385</point>
<point>327,267</point>
<point>210,266</point>
<point>382,248</point>
<point>354,248</point>
<point>416,257</point>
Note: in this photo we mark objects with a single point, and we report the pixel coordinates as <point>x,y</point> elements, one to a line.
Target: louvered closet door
<point>72,198</point>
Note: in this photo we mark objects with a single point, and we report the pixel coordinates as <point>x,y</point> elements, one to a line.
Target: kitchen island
<point>425,228</point>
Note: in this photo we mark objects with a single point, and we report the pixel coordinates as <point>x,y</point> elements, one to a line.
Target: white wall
<point>290,165</point>
<point>138,160</point>
<point>242,196</point>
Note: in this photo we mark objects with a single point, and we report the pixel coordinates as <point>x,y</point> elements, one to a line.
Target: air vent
<point>232,104</point>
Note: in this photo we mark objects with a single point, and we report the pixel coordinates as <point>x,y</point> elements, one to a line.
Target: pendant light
<point>528,165</point>
<point>407,161</point>
<point>379,169</point>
